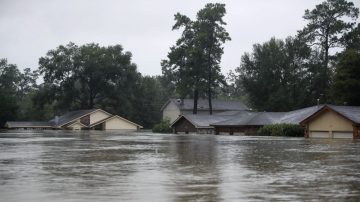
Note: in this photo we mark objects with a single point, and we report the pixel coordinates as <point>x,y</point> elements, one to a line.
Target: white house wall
<point>171,111</point>
<point>98,116</point>
<point>119,124</point>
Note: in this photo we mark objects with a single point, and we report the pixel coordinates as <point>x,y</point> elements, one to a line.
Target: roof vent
<point>56,120</point>
<point>180,102</point>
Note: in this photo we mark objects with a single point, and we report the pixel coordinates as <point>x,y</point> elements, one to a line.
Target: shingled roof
<point>30,124</point>
<point>70,116</point>
<point>252,119</point>
<point>296,116</point>
<point>292,117</point>
<point>351,113</point>
<point>203,104</point>
<point>266,118</point>
<point>203,121</point>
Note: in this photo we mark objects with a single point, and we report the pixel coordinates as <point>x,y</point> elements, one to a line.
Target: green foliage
<point>284,75</point>
<point>153,96</point>
<point>290,130</point>
<point>274,76</point>
<point>326,25</point>
<point>193,63</point>
<point>89,75</point>
<point>9,79</point>
<point>345,89</point>
<point>325,30</point>
<point>15,90</point>
<point>162,127</point>
<point>351,40</point>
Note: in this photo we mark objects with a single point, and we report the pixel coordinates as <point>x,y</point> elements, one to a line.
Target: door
<point>319,134</point>
<point>343,135</point>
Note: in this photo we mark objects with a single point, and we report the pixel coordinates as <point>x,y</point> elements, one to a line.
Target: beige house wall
<point>119,124</point>
<point>171,111</point>
<point>330,121</point>
<point>75,126</point>
<point>98,116</point>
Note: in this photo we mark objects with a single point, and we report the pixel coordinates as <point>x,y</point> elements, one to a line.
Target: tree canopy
<point>87,76</point>
<point>194,62</point>
<point>347,79</point>
<point>92,76</point>
<point>274,75</point>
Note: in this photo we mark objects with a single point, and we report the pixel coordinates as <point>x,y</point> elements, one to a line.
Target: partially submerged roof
<point>203,104</point>
<point>252,119</point>
<point>28,124</point>
<point>266,118</point>
<point>202,121</point>
<point>70,116</point>
<point>112,117</point>
<point>351,113</point>
<point>239,119</point>
<point>296,116</point>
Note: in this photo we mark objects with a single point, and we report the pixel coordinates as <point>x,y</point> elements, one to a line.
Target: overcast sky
<point>30,28</point>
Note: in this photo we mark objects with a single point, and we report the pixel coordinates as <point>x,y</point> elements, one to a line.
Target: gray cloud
<point>30,28</point>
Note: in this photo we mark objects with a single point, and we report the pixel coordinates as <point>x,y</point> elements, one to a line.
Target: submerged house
<point>332,121</point>
<point>201,124</point>
<point>91,119</point>
<point>323,121</point>
<point>250,123</point>
<point>174,108</point>
<point>238,123</point>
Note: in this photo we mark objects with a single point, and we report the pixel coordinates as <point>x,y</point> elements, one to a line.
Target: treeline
<point>321,63</point>
<point>81,77</point>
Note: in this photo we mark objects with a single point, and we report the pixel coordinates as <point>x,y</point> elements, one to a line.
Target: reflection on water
<point>90,166</point>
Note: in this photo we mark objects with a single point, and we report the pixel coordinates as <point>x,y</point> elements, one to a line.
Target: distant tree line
<point>321,62</point>
<point>81,77</point>
<point>318,64</point>
<point>281,75</point>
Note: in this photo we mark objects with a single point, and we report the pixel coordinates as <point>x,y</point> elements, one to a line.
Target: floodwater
<point>89,166</point>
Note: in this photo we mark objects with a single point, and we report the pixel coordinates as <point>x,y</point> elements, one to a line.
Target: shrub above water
<point>291,130</point>
<point>162,127</point>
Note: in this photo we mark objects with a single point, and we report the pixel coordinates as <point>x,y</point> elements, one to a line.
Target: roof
<point>266,118</point>
<point>252,119</point>
<point>229,113</point>
<point>76,123</point>
<point>203,121</point>
<point>239,119</point>
<point>30,124</point>
<point>351,113</point>
<point>203,104</point>
<point>111,117</point>
<point>70,116</point>
<point>297,116</point>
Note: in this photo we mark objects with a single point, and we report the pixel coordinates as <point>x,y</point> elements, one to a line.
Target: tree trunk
<point>209,74</point>
<point>196,95</point>
<point>326,65</point>
<point>91,97</point>
<point>209,91</point>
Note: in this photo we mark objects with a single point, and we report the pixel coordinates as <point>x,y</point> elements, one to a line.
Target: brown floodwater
<point>98,166</point>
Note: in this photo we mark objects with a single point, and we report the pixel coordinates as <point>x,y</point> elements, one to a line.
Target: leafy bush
<point>291,130</point>
<point>162,127</point>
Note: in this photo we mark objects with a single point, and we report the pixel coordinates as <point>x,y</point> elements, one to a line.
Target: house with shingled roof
<point>89,119</point>
<point>321,121</point>
<point>174,108</point>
